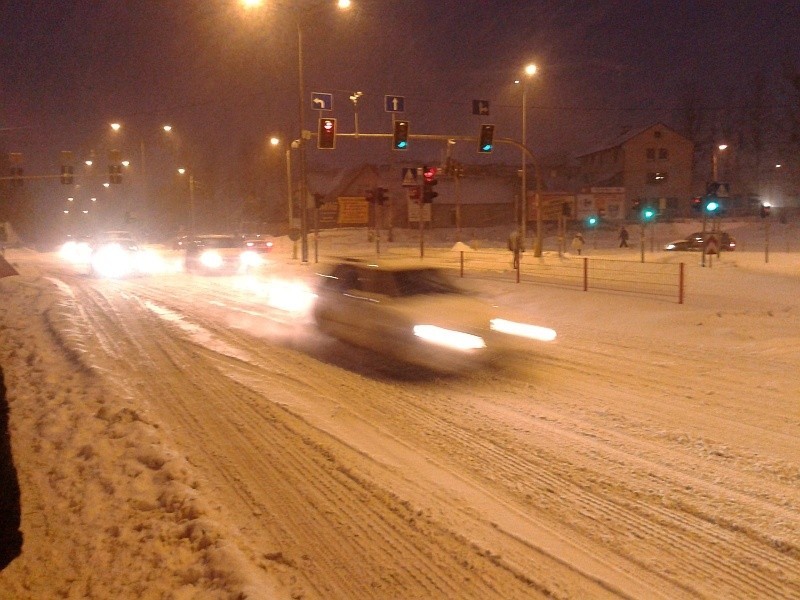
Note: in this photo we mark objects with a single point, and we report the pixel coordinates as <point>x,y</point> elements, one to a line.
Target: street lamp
<point>299,15</point>
<point>530,71</point>
<point>715,161</point>
<point>274,141</point>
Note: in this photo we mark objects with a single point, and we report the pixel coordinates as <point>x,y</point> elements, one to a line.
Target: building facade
<point>652,165</point>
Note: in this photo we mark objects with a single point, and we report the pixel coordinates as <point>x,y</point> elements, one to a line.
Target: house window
<point>662,154</point>
<point>651,154</point>
<point>657,178</point>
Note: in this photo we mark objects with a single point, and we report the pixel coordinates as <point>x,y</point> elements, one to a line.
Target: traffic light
<point>765,210</point>
<point>648,214</point>
<point>697,204</point>
<point>592,221</point>
<point>67,174</point>
<point>16,171</point>
<point>487,135</point>
<point>429,180</point>
<point>400,136</point>
<point>712,206</point>
<point>67,170</point>
<point>16,176</point>
<point>636,204</point>
<point>115,173</point>
<point>381,195</point>
<point>319,200</point>
<point>326,134</point>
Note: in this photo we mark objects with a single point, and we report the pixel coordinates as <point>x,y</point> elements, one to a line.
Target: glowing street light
<point>529,71</point>
<point>715,160</point>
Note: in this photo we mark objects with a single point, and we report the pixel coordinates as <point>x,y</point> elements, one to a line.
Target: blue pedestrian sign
<point>394,103</point>
<point>321,101</point>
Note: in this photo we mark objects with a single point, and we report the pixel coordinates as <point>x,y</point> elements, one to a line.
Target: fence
<point>648,278</point>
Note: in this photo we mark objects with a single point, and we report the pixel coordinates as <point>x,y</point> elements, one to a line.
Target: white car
<point>415,314</point>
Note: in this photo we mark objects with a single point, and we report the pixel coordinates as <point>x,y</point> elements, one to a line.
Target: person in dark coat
<point>623,237</point>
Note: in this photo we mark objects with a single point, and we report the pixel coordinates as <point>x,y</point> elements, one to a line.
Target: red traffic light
<point>429,173</point>
<point>326,134</point>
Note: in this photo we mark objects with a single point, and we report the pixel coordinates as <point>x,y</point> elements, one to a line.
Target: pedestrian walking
<point>577,243</point>
<point>623,237</point>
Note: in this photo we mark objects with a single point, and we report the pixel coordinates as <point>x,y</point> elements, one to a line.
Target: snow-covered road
<point>196,445</point>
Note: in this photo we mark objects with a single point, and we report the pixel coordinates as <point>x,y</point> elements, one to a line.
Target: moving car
<point>415,314</point>
<point>114,254</point>
<point>697,241</point>
<point>259,244</point>
<point>217,254</point>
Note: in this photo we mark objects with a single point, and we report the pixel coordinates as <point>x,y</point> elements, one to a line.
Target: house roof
<point>624,137</point>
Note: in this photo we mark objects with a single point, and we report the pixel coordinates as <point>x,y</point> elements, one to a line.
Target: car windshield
<point>220,242</point>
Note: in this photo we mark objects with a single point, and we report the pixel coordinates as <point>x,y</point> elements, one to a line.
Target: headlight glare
<point>457,340</point>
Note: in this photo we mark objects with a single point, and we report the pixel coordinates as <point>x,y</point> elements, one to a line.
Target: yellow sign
<point>353,210</point>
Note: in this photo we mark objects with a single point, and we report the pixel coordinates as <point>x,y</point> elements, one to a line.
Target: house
<point>652,165</point>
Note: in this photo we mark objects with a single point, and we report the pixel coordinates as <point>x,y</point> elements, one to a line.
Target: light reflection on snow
<point>197,333</point>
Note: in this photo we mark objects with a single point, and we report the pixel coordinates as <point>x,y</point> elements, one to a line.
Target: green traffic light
<point>648,214</point>
<point>592,221</point>
<point>712,206</point>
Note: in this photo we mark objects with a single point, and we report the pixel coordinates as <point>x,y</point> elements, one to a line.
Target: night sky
<point>226,78</point>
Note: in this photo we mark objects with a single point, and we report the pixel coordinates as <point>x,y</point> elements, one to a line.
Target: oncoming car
<point>262,245</point>
<point>219,254</point>
<point>415,314</point>
<point>697,242</point>
<point>114,254</point>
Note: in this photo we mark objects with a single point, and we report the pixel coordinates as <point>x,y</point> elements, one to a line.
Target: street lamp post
<point>299,15</point>
<point>530,71</point>
<point>715,161</point>
<point>182,171</point>
<point>289,208</point>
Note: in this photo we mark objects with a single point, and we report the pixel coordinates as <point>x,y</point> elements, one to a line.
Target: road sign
<point>480,107</point>
<point>409,176</point>
<point>394,103</point>
<point>321,101</point>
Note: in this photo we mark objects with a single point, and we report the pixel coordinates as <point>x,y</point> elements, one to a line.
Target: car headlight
<point>533,332</point>
<point>669,247</point>
<point>449,338</point>
<point>112,260</point>
<point>250,258</point>
<point>211,259</point>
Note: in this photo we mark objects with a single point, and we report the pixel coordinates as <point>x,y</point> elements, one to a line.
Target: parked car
<point>216,254</point>
<point>415,314</point>
<point>697,241</point>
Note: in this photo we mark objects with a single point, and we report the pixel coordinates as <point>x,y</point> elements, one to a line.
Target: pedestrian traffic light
<point>429,180</point>
<point>326,134</point>
<point>487,135</point>
<point>67,174</point>
<point>115,173</point>
<point>636,204</point>
<point>697,204</point>
<point>765,210</point>
<point>16,176</point>
<point>400,136</point>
